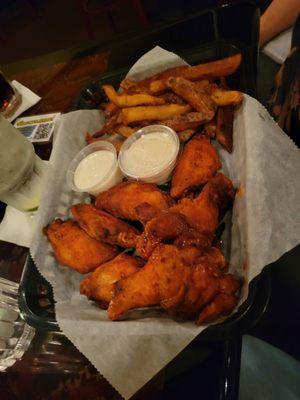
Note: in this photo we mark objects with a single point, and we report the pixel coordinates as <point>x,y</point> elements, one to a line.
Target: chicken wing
<point>185,282</point>
<point>224,302</point>
<point>203,212</point>
<point>102,226</point>
<point>75,248</point>
<point>161,278</point>
<point>100,284</point>
<point>163,228</point>
<point>197,165</point>
<point>122,199</point>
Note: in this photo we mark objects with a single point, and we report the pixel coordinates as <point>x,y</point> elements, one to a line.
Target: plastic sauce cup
<point>110,178</point>
<point>153,158</point>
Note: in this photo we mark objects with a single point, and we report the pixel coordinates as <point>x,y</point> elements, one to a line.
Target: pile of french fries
<point>188,99</point>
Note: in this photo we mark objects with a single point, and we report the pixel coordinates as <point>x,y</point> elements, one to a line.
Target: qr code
<point>43,131</point>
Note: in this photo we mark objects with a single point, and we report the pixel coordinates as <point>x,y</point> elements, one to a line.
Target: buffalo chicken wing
<point>75,248</point>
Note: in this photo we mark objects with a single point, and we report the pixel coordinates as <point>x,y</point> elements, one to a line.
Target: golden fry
<point>209,128</point>
<point>226,97</point>
<point>152,113</point>
<point>109,109</point>
<point>157,83</point>
<point>172,98</point>
<point>125,131</point>
<point>132,87</point>
<point>224,128</point>
<point>185,135</point>
<point>127,100</point>
<point>214,69</point>
<point>194,96</point>
<point>109,125</point>
<point>187,121</point>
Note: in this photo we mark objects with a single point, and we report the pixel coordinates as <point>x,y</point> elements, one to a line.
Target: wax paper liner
<point>264,165</point>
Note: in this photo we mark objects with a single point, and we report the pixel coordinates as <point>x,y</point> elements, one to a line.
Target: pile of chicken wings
<point>176,260</point>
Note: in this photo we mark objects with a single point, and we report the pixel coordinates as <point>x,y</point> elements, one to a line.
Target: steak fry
<point>195,97</point>
<point>127,100</point>
<point>190,120</point>
<point>224,128</point>
<point>133,115</point>
<point>157,83</point>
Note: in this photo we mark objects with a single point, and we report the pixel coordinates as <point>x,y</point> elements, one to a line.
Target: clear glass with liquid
<point>21,170</point>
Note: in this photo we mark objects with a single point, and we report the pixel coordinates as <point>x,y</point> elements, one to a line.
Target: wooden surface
<point>59,84</point>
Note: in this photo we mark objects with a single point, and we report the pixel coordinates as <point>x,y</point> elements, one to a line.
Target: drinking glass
<point>22,171</point>
<point>10,98</point>
<point>15,334</point>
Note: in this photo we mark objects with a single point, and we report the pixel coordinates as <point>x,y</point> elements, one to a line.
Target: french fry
<point>172,98</point>
<point>185,135</point>
<point>131,87</point>
<point>210,127</point>
<point>110,109</point>
<point>90,139</point>
<point>125,131</point>
<point>157,83</point>
<point>224,128</point>
<point>226,97</point>
<point>195,97</point>
<point>130,100</point>
<point>109,125</point>
<point>203,84</point>
<point>151,113</point>
<point>187,121</point>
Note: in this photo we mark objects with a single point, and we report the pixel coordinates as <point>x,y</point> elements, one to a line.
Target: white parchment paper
<point>265,164</point>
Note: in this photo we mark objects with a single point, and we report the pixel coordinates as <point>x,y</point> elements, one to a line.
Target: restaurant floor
<point>37,33</point>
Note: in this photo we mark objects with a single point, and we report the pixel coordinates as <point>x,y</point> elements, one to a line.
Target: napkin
<point>264,164</point>
<point>17,226</point>
<point>278,48</point>
<point>28,99</point>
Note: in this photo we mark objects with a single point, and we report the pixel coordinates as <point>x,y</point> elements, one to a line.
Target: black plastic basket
<point>203,37</point>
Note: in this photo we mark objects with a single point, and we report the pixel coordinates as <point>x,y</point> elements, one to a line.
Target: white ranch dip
<point>93,169</point>
<point>149,154</point>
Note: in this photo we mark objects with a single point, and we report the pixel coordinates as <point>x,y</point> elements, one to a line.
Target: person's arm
<point>279,16</point>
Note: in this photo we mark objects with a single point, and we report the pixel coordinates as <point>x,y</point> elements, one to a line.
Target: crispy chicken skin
<point>203,212</point>
<point>122,199</point>
<point>159,279</point>
<point>75,248</point>
<point>223,303</point>
<point>99,285</point>
<point>182,281</point>
<point>102,226</point>
<point>192,222</point>
<point>197,165</point>
<point>167,227</point>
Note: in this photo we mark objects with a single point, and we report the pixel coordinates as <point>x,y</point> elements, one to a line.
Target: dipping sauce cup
<point>94,169</point>
<point>150,154</point>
